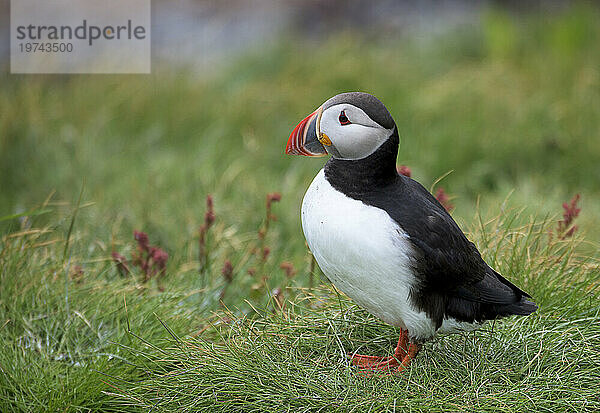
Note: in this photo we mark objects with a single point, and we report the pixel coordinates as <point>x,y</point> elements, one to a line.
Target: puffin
<point>383,240</point>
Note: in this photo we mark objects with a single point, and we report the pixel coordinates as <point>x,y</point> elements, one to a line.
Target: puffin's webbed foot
<point>402,357</point>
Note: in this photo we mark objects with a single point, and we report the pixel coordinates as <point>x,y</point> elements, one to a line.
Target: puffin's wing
<point>446,261</point>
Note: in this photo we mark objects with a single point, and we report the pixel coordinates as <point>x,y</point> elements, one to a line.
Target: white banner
<point>80,36</point>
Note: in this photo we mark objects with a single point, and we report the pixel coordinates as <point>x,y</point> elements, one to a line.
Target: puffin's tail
<point>522,305</point>
<point>491,298</point>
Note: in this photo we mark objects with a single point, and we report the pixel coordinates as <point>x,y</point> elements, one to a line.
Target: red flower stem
<point>205,269</point>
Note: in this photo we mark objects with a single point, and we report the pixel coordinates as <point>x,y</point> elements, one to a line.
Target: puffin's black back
<point>454,280</point>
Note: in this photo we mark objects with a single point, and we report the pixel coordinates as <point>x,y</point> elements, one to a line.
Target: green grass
<point>296,359</point>
<point>510,108</point>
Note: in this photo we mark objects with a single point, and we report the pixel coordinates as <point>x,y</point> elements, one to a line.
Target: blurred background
<point>504,95</point>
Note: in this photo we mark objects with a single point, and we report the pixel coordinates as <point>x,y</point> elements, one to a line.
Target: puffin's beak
<point>304,139</point>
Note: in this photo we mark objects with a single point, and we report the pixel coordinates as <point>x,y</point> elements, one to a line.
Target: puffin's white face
<point>347,132</point>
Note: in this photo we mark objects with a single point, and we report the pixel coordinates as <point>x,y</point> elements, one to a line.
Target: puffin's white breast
<point>364,253</point>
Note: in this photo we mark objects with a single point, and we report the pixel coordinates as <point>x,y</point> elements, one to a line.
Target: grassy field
<point>511,108</point>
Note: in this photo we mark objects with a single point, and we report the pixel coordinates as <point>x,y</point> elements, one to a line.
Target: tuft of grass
<point>296,359</point>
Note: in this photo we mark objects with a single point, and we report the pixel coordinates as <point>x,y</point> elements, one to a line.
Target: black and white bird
<point>384,240</point>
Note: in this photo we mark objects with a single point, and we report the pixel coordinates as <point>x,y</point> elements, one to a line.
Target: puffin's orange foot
<point>370,365</point>
<point>370,361</point>
<point>386,367</point>
<point>377,362</point>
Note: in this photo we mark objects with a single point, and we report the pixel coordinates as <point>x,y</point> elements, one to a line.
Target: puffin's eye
<point>343,119</point>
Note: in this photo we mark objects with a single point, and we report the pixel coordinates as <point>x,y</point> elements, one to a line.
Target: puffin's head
<point>348,126</point>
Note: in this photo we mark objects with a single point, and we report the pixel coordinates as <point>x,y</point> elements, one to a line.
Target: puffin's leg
<point>377,361</point>
<point>413,350</point>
